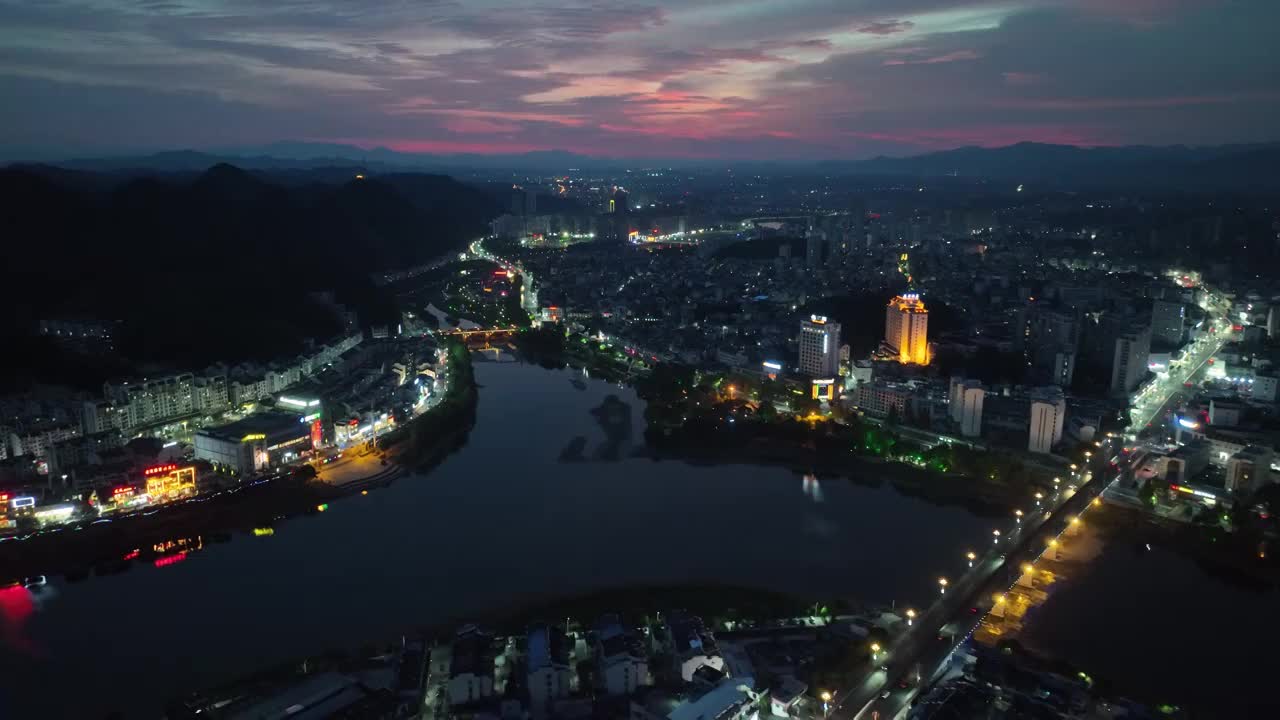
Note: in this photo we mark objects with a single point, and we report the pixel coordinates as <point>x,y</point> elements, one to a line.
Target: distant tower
<point>819,347</point>
<point>906,329</point>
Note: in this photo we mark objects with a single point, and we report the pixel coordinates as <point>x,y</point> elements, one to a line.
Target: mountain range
<point>1247,168</point>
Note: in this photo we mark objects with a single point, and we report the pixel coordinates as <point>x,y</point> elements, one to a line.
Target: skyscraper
<point>906,329</point>
<point>819,347</point>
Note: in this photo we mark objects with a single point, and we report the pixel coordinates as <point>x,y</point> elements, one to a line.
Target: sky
<point>734,79</point>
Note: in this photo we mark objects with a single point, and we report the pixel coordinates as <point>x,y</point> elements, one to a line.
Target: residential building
<point>881,399</point>
<point>1048,414</point>
<point>906,331</point>
<point>471,666</point>
<point>1167,321</point>
<point>547,662</point>
<point>1249,469</point>
<point>1129,360</point>
<point>1225,413</point>
<point>153,401</point>
<point>966,406</point>
<point>691,644</point>
<point>1264,388</point>
<point>621,664</point>
<point>819,347</point>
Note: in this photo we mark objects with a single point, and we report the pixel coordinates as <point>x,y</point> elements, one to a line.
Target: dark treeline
<point>216,266</point>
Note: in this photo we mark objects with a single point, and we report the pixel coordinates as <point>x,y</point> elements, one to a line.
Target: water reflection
<point>373,566</point>
<point>613,417</point>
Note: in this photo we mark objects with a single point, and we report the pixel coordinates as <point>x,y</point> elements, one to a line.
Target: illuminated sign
<point>287,443</point>
<point>823,383</point>
<point>23,502</point>
<point>771,365</point>
<point>1188,424</point>
<point>818,319</point>
<point>253,436</point>
<point>824,390</point>
<point>263,532</point>
<point>309,418</point>
<point>122,490</point>
<point>293,402</point>
<point>159,470</point>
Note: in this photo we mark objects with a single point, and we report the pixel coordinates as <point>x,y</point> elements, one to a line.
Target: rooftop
<point>266,423</point>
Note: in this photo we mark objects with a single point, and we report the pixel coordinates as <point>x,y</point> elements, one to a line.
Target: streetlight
<point>1018,514</point>
<point>1039,497</point>
<point>1028,568</point>
<point>875,651</point>
<point>971,555</point>
<point>911,615</point>
<point>826,702</point>
<point>942,586</point>
<point>999,598</point>
<point>996,537</point>
<point>1053,542</point>
<point>1075,520</point>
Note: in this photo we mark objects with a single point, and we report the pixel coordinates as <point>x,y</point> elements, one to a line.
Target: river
<point>546,498</point>
<point>1161,626</point>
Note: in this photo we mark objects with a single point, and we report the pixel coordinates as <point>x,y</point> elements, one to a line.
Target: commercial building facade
<point>906,329</point>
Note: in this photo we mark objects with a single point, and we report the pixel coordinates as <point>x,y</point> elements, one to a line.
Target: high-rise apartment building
<point>819,347</point>
<point>1048,413</point>
<point>906,329</point>
<point>1167,320</point>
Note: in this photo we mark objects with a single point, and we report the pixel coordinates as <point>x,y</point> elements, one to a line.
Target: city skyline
<point>672,79</point>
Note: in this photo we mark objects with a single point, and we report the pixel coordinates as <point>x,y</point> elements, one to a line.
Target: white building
<point>549,674</point>
<point>1224,414</point>
<point>1129,360</point>
<point>1048,414</point>
<point>38,442</point>
<point>621,665</point>
<point>153,401</point>
<point>966,405</point>
<point>819,347</point>
<point>881,399</point>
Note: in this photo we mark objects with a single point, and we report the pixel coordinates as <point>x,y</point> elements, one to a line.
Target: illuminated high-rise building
<point>819,347</point>
<point>906,329</point>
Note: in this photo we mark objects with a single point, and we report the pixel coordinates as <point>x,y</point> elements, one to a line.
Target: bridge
<point>485,333</point>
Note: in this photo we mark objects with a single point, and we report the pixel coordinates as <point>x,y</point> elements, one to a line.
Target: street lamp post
<point>942,586</point>
<point>971,556</point>
<point>1018,514</point>
<point>826,702</point>
<point>995,537</point>
<point>911,616</point>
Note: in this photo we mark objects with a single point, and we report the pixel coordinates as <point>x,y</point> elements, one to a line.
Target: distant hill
<point>1245,168</point>
<point>217,265</point>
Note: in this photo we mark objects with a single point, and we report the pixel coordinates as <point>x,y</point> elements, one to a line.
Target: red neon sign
<point>122,490</point>
<point>159,470</point>
<point>171,559</point>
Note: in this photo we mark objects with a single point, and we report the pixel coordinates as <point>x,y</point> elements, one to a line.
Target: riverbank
<point>112,546</point>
